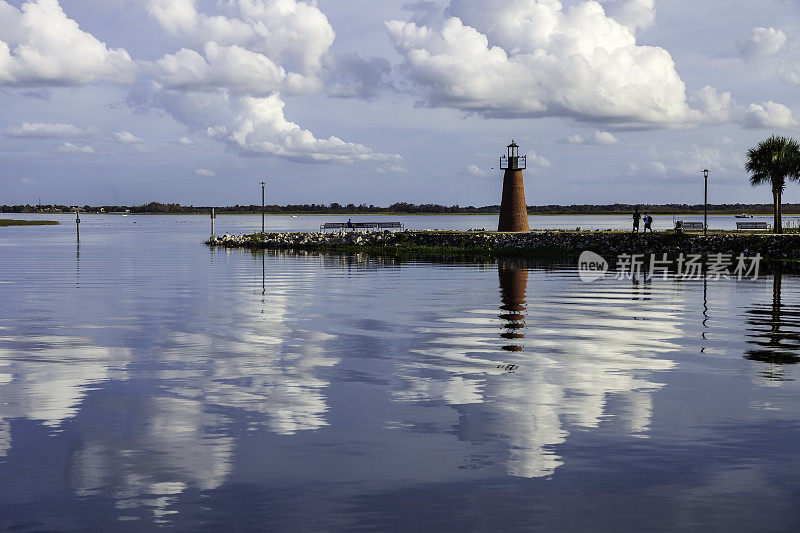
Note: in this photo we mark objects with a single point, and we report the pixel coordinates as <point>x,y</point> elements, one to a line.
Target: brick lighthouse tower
<point>513,210</point>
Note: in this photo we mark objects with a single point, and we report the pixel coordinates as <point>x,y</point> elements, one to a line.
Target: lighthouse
<point>513,210</point>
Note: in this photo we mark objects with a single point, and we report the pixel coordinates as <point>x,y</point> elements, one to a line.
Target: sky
<point>198,101</point>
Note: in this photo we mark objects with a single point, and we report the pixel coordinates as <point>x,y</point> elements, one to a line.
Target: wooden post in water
<point>213,216</point>
<point>78,224</point>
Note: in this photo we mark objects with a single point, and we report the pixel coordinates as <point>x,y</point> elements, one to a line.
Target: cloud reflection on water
<point>45,377</point>
<point>171,444</point>
<point>575,349</point>
<point>255,362</point>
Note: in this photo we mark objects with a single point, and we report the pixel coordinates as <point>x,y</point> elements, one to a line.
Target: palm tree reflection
<point>774,331</point>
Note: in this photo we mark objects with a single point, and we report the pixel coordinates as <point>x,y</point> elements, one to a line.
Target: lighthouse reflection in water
<point>513,284</point>
<point>524,377</point>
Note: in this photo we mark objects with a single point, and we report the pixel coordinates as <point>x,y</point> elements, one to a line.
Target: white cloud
<point>789,68</point>
<point>658,167</point>
<point>637,15</point>
<point>768,115</point>
<point>476,172</point>
<point>186,141</point>
<point>510,58</point>
<point>231,67</point>
<point>260,127</point>
<point>204,172</point>
<point>40,45</point>
<point>294,34</point>
<point>127,137</point>
<point>597,137</point>
<point>714,105</point>
<point>391,167</point>
<point>536,160</point>
<point>762,42</point>
<point>69,148</point>
<point>229,78</point>
<point>722,159</point>
<point>43,130</point>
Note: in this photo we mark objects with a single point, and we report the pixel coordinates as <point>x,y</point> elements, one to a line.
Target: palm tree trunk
<point>780,213</point>
<point>774,211</point>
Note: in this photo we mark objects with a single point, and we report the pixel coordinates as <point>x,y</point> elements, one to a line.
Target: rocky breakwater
<point>537,243</point>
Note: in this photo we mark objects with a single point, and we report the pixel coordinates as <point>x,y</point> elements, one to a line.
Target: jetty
<point>532,244</point>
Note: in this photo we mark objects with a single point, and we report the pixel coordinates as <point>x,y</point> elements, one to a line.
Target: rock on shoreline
<point>776,247</point>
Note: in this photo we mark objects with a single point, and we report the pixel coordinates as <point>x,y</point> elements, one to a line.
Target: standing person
<point>636,217</point>
<point>350,223</point>
<point>648,223</point>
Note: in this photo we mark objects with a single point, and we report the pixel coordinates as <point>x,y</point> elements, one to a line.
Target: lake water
<point>147,380</point>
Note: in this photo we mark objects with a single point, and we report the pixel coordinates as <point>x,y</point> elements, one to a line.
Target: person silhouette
<point>636,217</point>
<point>648,222</point>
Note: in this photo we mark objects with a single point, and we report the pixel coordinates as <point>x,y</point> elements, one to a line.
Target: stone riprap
<point>776,247</point>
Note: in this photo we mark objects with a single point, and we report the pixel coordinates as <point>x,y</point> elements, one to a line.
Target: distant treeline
<point>402,208</point>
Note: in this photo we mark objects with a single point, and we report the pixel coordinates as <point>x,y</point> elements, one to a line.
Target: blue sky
<point>197,101</point>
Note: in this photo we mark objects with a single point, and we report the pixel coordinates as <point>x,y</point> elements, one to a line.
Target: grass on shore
<point>11,222</point>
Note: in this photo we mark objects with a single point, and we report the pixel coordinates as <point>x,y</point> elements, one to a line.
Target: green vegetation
<point>9,222</point>
<point>774,161</point>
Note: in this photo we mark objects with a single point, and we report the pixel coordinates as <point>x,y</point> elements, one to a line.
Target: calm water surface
<point>146,380</point>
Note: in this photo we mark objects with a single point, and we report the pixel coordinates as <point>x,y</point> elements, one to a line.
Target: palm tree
<point>772,161</point>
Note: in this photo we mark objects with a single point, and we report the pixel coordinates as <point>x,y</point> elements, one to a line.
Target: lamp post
<point>705,210</point>
<point>262,207</point>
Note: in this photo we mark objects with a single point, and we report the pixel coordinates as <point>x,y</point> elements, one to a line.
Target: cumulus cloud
<point>260,127</point>
<point>789,70</point>
<point>714,105</point>
<point>43,130</point>
<point>69,148</point>
<point>41,45</point>
<point>509,58</point>
<point>291,33</point>
<point>636,15</point>
<point>127,137</point>
<point>229,78</point>
<point>768,115</point>
<point>762,42</point>
<point>475,171</point>
<point>597,137</point>
<point>256,126</point>
<point>536,160</point>
<point>232,67</point>
<point>186,141</point>
<point>204,172</point>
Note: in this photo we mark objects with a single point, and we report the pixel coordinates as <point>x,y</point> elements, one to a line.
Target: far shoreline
<point>384,214</point>
<point>8,222</point>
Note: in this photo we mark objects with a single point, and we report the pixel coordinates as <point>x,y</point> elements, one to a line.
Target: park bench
<point>333,225</point>
<point>390,225</point>
<point>365,225</point>
<point>361,225</point>
<point>688,226</point>
<point>693,225</point>
<point>752,225</point>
